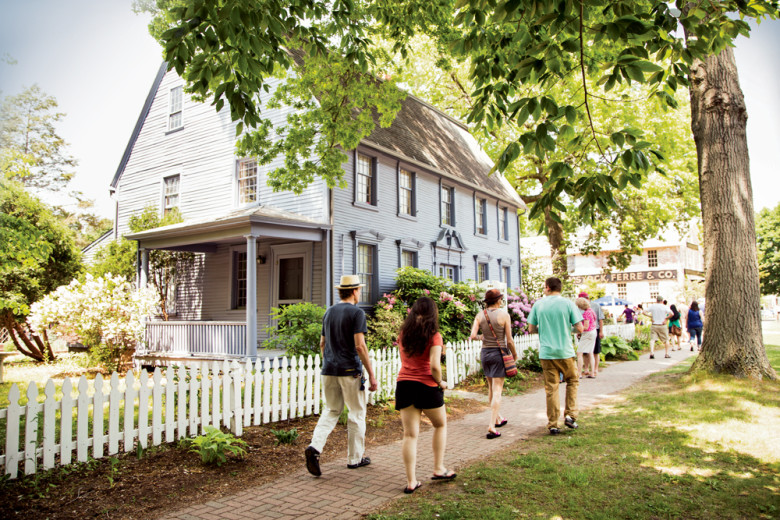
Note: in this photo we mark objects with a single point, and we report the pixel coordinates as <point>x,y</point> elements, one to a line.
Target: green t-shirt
<point>554,316</point>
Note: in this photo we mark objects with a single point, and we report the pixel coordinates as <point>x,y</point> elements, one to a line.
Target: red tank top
<point>418,368</point>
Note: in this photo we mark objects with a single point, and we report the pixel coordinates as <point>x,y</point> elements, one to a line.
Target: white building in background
<point>662,268</point>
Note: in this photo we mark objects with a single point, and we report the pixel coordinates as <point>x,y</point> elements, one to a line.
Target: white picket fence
<point>119,414</point>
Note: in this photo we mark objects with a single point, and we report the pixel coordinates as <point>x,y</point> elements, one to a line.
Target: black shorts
<point>597,347</point>
<point>414,393</point>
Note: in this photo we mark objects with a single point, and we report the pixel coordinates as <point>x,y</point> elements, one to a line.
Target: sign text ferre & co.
<point>637,276</point>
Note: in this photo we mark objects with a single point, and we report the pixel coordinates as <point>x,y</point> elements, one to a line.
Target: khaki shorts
<point>659,332</point>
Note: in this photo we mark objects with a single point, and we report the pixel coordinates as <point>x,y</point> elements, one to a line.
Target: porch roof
<point>203,235</point>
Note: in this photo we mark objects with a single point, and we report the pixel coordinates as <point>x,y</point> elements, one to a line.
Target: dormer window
<point>247,181</point>
<point>175,120</point>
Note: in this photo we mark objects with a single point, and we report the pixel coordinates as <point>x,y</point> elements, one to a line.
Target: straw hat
<point>350,281</point>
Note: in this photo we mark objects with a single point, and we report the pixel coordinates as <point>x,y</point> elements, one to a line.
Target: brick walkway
<point>344,493</point>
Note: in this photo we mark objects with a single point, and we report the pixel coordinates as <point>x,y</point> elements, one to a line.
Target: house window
<point>622,293</point>
<point>652,258</point>
<point>408,258</point>
<point>364,181</point>
<point>480,210</point>
<point>239,279</point>
<point>366,270</point>
<point>174,109</point>
<point>447,206</point>
<point>448,272</point>
<point>482,272</point>
<point>247,181</point>
<point>503,224</point>
<point>170,193</point>
<point>505,272</point>
<point>653,290</point>
<point>406,193</point>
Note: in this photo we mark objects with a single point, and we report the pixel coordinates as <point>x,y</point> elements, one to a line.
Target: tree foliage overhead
<point>768,236</point>
<point>37,256</point>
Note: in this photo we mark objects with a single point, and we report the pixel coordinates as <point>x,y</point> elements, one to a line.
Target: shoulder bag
<point>509,361</point>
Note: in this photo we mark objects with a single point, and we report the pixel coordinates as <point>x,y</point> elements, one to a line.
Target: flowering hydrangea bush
<point>519,306</point>
<point>106,314</point>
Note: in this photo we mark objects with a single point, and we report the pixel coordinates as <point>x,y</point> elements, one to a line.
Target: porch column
<point>144,274</point>
<point>251,296</point>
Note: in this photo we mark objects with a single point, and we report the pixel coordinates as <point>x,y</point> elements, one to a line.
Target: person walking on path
<point>343,348</point>
<point>587,340</point>
<point>599,312</point>
<point>695,324</point>
<point>675,328</point>
<point>659,313</point>
<point>553,317</point>
<point>496,327</point>
<point>420,389</point>
<point>628,312</point>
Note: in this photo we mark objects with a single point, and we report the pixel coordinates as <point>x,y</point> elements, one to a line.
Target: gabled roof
<point>428,136</point>
<point>140,123</point>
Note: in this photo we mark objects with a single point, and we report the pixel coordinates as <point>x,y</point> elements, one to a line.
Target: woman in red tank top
<point>420,389</point>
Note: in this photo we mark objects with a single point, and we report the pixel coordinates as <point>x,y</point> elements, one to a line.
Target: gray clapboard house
<point>418,193</point>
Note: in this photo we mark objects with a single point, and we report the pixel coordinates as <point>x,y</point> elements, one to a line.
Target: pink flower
<point>427,291</point>
<point>389,307</point>
<point>472,297</point>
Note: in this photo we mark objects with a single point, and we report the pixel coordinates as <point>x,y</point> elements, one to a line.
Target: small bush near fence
<point>214,446</point>
<point>298,329</point>
<point>285,436</point>
<point>616,347</point>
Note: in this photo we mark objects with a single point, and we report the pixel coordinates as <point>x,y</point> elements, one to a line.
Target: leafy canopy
<point>768,236</point>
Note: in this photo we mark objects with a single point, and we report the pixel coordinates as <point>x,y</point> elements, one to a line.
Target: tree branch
<point>584,84</point>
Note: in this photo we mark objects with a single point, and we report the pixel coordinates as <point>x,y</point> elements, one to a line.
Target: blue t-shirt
<point>554,316</point>
<point>339,326</point>
<point>694,319</point>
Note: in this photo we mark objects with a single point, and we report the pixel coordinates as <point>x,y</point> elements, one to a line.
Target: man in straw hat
<point>343,348</point>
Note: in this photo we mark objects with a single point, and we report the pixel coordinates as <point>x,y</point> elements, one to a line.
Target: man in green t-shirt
<point>553,317</point>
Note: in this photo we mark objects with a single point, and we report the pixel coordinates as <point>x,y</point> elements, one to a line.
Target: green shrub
<point>298,329</point>
<point>285,436</point>
<point>616,347</point>
<point>530,360</point>
<point>214,445</point>
<point>385,324</point>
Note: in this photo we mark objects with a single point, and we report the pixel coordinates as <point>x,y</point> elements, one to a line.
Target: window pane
<point>506,279</point>
<point>652,258</point>
<point>481,206</point>
<point>405,193</point>
<point>174,108</point>
<point>239,274</point>
<point>622,291</point>
<point>365,267</point>
<point>447,272</point>
<point>481,272</point>
<point>653,290</point>
<point>502,224</point>
<point>446,206</point>
<point>247,181</point>
<point>291,278</point>
<point>407,258</point>
<point>364,174</point>
<point>171,193</point>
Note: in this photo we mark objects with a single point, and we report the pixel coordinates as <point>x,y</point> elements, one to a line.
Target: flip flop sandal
<point>492,435</point>
<point>409,491</point>
<point>502,423</point>
<point>448,475</point>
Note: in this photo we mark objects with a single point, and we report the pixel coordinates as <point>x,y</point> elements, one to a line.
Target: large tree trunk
<point>732,328</point>
<point>557,246</point>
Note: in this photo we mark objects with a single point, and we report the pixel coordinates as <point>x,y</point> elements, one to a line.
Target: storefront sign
<point>637,276</point>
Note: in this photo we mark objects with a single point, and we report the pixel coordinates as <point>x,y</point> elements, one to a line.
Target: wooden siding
<point>348,217</point>
<point>203,154</point>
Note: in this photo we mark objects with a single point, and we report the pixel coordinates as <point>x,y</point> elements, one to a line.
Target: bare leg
<point>594,364</point>
<point>438,418</point>
<point>579,363</point>
<point>410,418</point>
<point>652,347</point>
<point>496,387</point>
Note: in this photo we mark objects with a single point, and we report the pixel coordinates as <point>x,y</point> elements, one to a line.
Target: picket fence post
<point>82,421</point>
<point>12,433</point>
<point>66,423</point>
<point>49,430</point>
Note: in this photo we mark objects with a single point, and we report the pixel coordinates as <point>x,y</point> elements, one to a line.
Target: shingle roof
<point>426,135</point>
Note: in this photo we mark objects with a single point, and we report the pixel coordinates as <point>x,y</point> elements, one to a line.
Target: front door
<point>292,274</point>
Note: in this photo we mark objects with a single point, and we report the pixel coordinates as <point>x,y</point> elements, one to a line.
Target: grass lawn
<point>675,446</point>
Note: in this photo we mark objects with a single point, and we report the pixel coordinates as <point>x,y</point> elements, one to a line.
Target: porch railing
<point>195,338</point>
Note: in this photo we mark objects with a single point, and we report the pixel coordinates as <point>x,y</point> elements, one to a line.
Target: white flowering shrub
<point>106,313</point>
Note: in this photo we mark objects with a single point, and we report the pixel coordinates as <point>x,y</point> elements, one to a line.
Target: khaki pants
<point>341,390</point>
<point>550,370</point>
